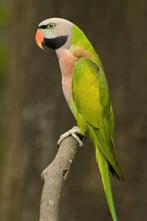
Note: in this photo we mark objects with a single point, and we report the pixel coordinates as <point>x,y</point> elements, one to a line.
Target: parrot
<point>86,91</point>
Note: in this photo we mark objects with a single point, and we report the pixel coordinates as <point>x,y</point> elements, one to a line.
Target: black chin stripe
<point>55,43</point>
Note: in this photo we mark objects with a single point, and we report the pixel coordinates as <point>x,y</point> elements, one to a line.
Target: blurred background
<point>33,112</point>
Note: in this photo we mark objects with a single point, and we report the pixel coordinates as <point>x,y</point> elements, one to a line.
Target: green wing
<point>91,97</point>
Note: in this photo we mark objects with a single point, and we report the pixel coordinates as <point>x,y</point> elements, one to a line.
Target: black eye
<point>51,25</point>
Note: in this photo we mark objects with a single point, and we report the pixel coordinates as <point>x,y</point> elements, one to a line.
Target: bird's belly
<point>66,87</point>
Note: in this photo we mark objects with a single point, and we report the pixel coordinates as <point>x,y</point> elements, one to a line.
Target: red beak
<point>39,37</point>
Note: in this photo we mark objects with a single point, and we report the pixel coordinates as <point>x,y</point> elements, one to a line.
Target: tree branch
<point>55,176</point>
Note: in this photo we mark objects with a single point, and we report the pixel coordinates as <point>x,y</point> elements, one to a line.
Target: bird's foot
<point>75,133</point>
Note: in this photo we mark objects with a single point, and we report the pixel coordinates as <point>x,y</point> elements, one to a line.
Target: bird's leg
<point>75,133</point>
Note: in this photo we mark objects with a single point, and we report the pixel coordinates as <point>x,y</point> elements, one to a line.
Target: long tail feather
<point>104,170</point>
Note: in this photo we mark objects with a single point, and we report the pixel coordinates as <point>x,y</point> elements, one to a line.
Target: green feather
<point>92,108</point>
<point>104,171</point>
<point>80,39</point>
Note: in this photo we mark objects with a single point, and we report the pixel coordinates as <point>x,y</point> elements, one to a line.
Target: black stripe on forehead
<point>55,43</point>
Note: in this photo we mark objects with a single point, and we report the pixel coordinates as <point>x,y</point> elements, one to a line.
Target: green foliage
<point>4,16</point>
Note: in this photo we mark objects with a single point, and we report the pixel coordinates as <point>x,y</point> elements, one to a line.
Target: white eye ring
<point>51,25</point>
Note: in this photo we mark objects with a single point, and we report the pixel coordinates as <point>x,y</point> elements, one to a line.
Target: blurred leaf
<point>4,16</point>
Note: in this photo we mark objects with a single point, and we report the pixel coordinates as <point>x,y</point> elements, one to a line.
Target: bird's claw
<point>74,132</point>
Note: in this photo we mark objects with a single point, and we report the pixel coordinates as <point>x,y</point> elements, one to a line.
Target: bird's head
<point>54,33</point>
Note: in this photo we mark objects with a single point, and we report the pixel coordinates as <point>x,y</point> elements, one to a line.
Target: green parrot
<point>87,93</point>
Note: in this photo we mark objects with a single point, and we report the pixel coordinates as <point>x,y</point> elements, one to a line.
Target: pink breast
<point>67,62</point>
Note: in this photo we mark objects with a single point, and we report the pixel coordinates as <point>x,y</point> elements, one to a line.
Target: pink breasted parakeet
<point>86,91</point>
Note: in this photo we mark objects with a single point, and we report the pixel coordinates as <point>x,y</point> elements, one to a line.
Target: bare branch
<point>55,176</point>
